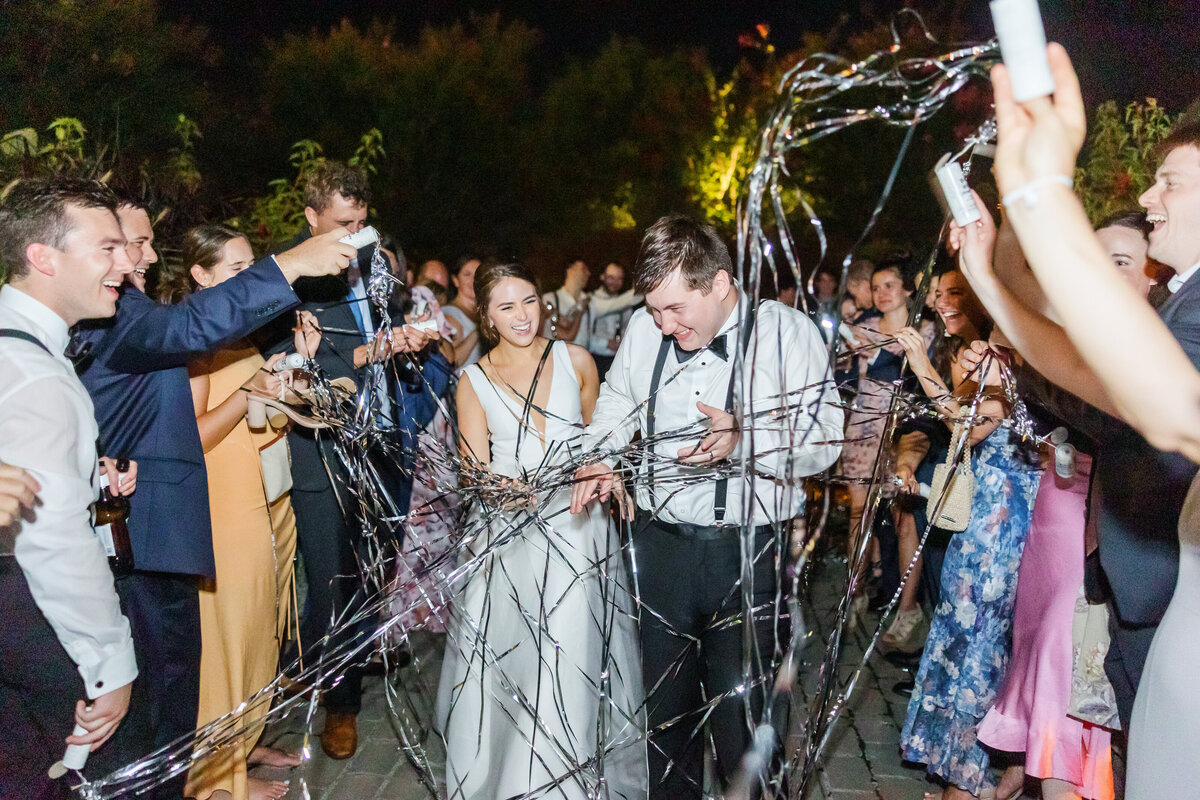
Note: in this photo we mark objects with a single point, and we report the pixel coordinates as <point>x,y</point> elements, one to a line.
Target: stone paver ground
<point>861,762</point>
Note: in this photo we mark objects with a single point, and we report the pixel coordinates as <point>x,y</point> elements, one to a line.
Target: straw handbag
<point>955,510</point>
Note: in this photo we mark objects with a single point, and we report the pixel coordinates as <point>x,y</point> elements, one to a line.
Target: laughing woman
<point>542,623</point>
<point>253,531</point>
<point>970,637</point>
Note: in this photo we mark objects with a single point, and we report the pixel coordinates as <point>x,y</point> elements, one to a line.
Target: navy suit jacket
<point>1142,490</point>
<point>138,380</point>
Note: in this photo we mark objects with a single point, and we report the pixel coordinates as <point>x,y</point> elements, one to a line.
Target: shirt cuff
<point>110,672</point>
<point>271,257</point>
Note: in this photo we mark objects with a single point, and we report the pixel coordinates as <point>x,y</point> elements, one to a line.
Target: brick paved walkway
<point>861,762</point>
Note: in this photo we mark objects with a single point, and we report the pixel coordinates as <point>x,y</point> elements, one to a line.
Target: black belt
<point>696,533</point>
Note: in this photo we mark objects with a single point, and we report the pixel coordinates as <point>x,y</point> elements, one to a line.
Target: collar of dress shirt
<point>1176,283</point>
<point>45,324</point>
<point>731,322</point>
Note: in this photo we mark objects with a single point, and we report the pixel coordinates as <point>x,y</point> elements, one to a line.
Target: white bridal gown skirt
<point>541,691</point>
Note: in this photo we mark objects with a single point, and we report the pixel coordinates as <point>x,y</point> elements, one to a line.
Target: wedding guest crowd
<point>1046,410</point>
<point>1049,657</point>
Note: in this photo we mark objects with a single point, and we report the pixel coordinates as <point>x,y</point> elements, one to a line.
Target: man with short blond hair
<point>405,372</point>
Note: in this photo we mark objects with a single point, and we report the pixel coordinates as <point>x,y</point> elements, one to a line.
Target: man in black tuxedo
<point>136,373</point>
<point>329,538</point>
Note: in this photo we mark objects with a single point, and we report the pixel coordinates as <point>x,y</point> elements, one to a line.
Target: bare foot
<point>266,790</point>
<point>273,757</point>
<point>1011,782</point>
<point>955,793</point>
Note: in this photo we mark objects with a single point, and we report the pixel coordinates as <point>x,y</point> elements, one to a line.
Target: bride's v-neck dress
<point>541,690</point>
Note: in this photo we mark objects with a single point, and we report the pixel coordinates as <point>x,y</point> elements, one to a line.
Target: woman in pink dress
<point>1072,757</point>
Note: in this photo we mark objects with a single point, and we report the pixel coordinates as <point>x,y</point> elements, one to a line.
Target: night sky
<point>1124,50</point>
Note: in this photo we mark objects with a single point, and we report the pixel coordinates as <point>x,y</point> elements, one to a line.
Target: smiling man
<point>406,374</point>
<point>63,636</point>
<point>136,374</point>
<point>673,377</point>
<point>1138,541</point>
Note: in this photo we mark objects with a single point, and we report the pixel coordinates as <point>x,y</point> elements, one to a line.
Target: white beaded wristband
<point>1029,192</point>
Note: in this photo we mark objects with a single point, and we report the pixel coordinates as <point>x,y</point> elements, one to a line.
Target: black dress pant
<point>1128,648</point>
<point>39,686</point>
<point>331,545</point>
<point>692,634</point>
<point>331,576</point>
<point>164,614</point>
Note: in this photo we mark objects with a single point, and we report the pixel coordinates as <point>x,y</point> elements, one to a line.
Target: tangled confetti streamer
<point>484,557</point>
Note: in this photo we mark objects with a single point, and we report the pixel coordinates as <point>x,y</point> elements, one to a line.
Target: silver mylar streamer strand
<point>806,112</point>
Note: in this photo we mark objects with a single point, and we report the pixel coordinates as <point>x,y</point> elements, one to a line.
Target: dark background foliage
<point>544,130</point>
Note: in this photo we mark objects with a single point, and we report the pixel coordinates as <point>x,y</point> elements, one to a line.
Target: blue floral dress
<point>970,638</point>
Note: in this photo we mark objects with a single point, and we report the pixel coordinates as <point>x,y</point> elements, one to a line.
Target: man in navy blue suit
<point>415,373</point>
<point>136,374</point>
<point>1141,488</point>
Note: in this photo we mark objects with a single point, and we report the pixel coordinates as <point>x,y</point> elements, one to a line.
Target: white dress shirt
<point>1176,283</point>
<point>786,358</point>
<point>48,427</point>
<point>605,318</point>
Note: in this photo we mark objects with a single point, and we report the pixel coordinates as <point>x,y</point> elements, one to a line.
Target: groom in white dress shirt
<point>706,425</point>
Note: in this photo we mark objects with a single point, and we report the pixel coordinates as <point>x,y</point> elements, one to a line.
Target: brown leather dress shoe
<point>339,740</point>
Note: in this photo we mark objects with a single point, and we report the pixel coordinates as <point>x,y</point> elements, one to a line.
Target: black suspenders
<point>655,379</point>
<point>13,333</point>
<point>722,493</point>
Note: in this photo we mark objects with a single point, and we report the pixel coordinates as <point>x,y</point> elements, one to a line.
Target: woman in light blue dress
<point>970,638</point>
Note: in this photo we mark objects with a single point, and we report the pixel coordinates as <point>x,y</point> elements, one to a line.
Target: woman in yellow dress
<point>254,533</point>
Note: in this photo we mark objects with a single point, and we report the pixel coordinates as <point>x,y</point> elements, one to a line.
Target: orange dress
<point>241,612</point>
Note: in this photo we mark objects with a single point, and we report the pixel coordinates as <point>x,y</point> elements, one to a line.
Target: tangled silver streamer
<point>502,512</point>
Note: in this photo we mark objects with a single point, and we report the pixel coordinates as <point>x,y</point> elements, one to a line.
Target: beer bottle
<point>110,519</point>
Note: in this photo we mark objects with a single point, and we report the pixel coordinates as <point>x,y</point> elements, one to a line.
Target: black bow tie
<point>716,347</point>
<point>78,350</point>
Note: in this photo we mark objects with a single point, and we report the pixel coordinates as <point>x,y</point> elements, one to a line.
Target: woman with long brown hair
<point>542,623</point>
<point>254,529</point>
<point>969,640</point>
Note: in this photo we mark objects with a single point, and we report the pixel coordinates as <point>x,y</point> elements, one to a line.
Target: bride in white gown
<point>540,694</point>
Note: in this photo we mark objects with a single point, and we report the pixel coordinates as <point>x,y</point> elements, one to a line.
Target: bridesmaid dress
<point>239,611</point>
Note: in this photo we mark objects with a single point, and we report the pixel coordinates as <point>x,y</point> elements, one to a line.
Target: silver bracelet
<point>1029,192</point>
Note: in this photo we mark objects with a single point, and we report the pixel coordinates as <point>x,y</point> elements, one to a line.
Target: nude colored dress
<point>239,611</point>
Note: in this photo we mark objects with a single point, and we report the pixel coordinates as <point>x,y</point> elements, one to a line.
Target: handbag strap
<point>960,435</point>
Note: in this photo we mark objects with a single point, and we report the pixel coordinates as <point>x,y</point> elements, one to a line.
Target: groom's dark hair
<point>678,242</point>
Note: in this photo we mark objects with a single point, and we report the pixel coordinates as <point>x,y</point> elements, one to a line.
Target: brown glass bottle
<point>110,519</point>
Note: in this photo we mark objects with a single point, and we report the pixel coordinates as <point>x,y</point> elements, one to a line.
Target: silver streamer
<point>502,516</point>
